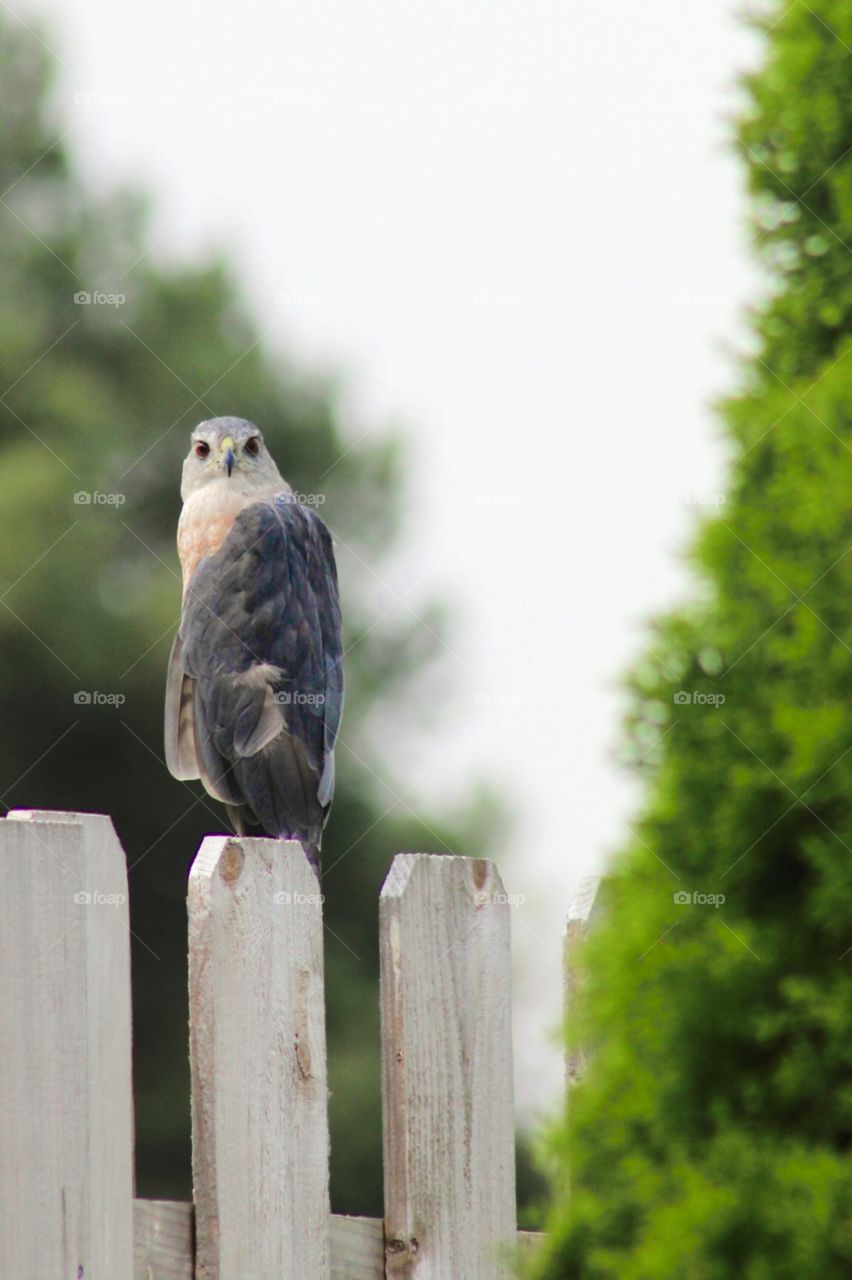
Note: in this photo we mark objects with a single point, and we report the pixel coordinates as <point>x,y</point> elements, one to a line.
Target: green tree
<point>101,398</point>
<point>711,1139</point>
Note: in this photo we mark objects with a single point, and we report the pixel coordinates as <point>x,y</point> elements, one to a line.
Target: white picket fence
<point>258,1057</point>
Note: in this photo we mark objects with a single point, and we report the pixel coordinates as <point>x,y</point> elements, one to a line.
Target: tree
<point>98,399</point>
<point>712,1135</point>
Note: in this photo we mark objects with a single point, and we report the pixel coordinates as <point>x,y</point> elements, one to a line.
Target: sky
<point>517,231</point>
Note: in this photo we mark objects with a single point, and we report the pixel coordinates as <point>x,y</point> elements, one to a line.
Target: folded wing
<point>255,686</point>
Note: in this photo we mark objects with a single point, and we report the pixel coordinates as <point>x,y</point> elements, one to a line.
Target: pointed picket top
<point>447,1069</point>
<point>66,1105</point>
<point>258,1060</point>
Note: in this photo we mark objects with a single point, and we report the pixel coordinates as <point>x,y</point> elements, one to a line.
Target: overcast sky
<point>517,229</point>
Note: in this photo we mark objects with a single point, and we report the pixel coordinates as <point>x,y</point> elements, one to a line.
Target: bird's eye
<point>201,449</point>
<point>253,446</point>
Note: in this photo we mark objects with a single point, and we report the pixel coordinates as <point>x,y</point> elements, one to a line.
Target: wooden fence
<point>258,1059</point>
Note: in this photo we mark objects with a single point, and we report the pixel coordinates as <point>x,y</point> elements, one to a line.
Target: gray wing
<point>180,735</point>
<point>255,688</point>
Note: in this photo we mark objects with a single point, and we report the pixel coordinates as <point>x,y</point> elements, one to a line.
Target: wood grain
<point>164,1251</point>
<point>66,1110</point>
<point>163,1246</point>
<point>447,1070</point>
<point>258,1061</point>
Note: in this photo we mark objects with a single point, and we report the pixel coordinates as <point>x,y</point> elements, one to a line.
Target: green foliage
<point>101,399</point>
<point>712,1136</point>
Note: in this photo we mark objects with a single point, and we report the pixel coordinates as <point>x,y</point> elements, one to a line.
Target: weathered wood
<point>357,1248</point>
<point>581,915</point>
<point>163,1247</point>
<point>449,1160</point>
<point>528,1242</point>
<point>163,1231</point>
<point>163,1243</point>
<point>257,1050</point>
<point>66,1111</point>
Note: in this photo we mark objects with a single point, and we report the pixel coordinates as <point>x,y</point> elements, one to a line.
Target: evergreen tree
<point>711,1137</point>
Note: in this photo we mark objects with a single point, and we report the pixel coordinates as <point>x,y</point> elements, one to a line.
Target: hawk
<point>254,692</point>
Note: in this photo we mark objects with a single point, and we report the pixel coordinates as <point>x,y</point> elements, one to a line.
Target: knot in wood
<point>231,863</point>
<point>399,1254</point>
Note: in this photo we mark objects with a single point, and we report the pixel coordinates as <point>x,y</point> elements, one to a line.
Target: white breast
<point>206,521</point>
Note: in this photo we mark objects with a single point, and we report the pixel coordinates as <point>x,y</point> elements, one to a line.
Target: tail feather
<point>279,787</point>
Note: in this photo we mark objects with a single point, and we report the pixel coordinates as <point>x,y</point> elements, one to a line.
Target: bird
<point>254,690</point>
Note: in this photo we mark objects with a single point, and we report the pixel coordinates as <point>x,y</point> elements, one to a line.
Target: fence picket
<point>66,1110</point>
<point>582,913</point>
<point>447,1070</point>
<point>257,1048</point>
<point>257,1041</point>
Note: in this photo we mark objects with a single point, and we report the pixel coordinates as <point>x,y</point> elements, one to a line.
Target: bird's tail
<point>245,824</point>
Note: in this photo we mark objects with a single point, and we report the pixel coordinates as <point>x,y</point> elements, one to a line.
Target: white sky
<point>518,230</point>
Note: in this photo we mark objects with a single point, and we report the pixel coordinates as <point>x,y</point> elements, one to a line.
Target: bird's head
<point>230,452</point>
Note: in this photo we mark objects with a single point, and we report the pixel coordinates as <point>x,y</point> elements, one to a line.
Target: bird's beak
<point>226,452</point>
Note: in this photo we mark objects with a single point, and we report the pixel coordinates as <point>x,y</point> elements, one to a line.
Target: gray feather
<point>181,757</point>
<point>260,648</point>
